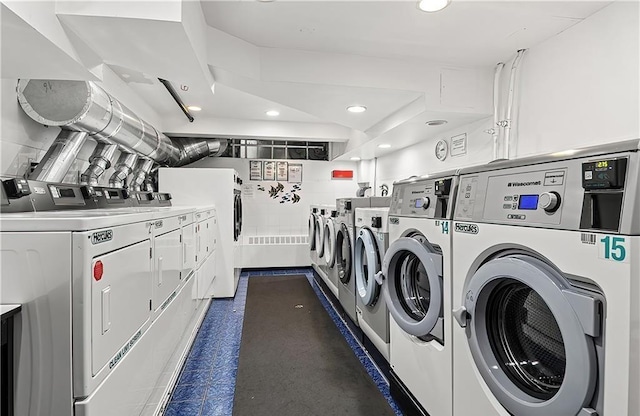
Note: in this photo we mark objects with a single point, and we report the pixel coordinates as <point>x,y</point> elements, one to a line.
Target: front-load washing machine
<point>345,243</point>
<point>320,267</point>
<point>330,252</point>
<point>417,289</point>
<point>313,229</point>
<point>372,240</point>
<point>545,285</point>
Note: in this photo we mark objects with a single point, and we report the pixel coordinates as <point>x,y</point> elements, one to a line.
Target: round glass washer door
<point>312,232</point>
<point>526,339</point>
<point>368,264</point>
<point>343,253</point>
<point>413,285</point>
<point>320,235</point>
<point>330,243</point>
<point>237,217</point>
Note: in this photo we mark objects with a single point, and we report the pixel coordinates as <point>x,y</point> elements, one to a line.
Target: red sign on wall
<point>341,174</point>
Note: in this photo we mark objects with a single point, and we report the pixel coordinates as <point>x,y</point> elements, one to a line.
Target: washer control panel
<point>584,193</point>
<point>531,197</point>
<point>422,198</point>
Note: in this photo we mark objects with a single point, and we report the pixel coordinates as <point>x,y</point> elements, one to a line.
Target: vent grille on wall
<point>276,240</point>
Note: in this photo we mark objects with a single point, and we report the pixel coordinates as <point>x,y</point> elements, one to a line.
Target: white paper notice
<point>295,172</point>
<point>269,171</point>
<point>248,191</point>
<point>282,172</point>
<point>459,145</point>
<point>255,170</point>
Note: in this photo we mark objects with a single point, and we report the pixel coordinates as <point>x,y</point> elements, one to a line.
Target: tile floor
<point>207,383</point>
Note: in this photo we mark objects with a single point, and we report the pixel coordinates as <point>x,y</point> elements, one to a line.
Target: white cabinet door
<point>120,294</point>
<point>167,267</point>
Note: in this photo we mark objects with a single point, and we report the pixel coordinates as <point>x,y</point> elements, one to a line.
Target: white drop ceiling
<point>307,59</point>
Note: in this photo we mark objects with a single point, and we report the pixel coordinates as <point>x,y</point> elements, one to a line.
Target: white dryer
<point>372,241</point>
<point>417,290</point>
<point>106,299</point>
<point>545,285</point>
<point>221,188</point>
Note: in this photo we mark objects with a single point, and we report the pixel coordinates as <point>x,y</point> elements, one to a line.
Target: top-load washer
<point>417,290</point>
<point>372,241</point>
<point>345,244</point>
<point>545,285</point>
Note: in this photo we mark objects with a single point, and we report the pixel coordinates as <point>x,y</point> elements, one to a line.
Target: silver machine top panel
<point>346,207</point>
<point>587,189</point>
<point>431,197</point>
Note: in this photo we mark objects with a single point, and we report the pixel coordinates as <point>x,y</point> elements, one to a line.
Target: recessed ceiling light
<point>273,113</point>
<point>384,146</point>
<point>125,76</point>
<point>433,5</point>
<point>194,108</point>
<point>356,158</point>
<point>356,109</point>
<point>436,122</point>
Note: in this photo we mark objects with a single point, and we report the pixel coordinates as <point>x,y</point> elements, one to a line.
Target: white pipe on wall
<point>507,123</point>
<point>495,131</point>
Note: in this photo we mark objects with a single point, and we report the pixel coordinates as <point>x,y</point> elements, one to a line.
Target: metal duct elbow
<point>123,168</point>
<point>140,173</point>
<point>55,164</point>
<point>192,150</point>
<point>99,161</point>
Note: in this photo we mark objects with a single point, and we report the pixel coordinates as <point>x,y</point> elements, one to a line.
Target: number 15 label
<point>613,248</point>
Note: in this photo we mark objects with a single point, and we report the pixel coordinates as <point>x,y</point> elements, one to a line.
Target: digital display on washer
<point>528,202</point>
<point>66,193</point>
<point>418,203</point>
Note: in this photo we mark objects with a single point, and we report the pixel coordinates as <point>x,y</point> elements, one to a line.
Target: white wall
<point>577,89</point>
<point>266,216</point>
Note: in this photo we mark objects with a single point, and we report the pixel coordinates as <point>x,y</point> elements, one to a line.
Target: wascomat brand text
<point>531,183</point>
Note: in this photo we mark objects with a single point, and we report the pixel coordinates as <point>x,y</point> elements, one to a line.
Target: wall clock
<point>441,149</point>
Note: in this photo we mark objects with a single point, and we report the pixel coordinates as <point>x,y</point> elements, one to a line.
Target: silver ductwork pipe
<point>86,107</point>
<point>99,162</point>
<point>195,149</point>
<point>123,169</point>
<point>140,173</point>
<point>61,154</point>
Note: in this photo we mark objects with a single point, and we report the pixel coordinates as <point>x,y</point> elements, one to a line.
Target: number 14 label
<point>613,248</point>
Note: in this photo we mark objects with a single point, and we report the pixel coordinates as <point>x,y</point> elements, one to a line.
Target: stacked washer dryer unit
<point>545,285</point>
<point>202,187</point>
<point>372,241</point>
<point>106,294</point>
<point>344,248</point>
<point>417,288</point>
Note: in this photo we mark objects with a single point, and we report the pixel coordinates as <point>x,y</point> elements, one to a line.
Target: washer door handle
<point>380,278</point>
<point>461,316</point>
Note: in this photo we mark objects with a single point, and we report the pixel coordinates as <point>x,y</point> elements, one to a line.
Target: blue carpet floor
<point>207,383</point>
